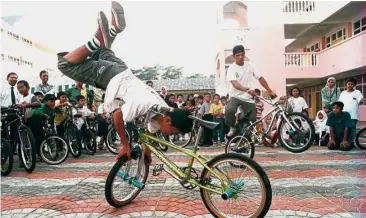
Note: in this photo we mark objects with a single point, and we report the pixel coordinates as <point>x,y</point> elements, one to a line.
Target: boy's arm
<point>345,135</point>
<point>39,111</point>
<point>119,126</point>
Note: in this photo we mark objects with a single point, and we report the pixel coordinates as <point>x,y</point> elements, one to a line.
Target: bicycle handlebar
<point>163,108</point>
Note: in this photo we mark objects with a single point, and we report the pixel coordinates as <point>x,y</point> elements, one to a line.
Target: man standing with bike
<point>106,71</point>
<point>241,74</point>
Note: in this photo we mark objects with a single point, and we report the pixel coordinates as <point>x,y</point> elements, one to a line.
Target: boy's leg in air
<point>104,65</point>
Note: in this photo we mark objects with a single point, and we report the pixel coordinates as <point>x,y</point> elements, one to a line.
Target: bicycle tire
<point>236,138</point>
<point>361,132</point>
<point>91,144</point>
<point>8,151</point>
<point>28,167</point>
<point>254,165</point>
<point>310,141</point>
<point>109,184</point>
<point>74,145</point>
<point>43,144</point>
<point>185,144</point>
<point>111,148</point>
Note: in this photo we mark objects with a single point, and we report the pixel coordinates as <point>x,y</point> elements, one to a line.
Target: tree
<point>148,73</point>
<point>172,72</point>
<point>196,75</point>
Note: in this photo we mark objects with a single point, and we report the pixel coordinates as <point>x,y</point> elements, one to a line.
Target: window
<point>359,26</point>
<point>335,38</point>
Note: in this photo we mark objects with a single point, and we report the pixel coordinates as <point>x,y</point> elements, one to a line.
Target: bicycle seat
<point>207,124</point>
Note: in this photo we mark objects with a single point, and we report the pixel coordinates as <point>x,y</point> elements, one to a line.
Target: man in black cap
<point>241,74</point>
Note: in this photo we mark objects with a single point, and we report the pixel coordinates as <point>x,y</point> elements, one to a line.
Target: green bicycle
<point>227,182</point>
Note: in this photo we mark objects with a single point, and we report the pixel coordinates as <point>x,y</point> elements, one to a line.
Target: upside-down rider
<point>94,63</point>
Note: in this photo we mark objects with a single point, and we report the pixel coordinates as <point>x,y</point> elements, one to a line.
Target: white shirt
<point>138,98</point>
<point>5,95</point>
<point>180,104</point>
<point>101,109</point>
<point>84,111</point>
<point>351,100</point>
<point>244,75</point>
<point>298,104</point>
<point>28,99</point>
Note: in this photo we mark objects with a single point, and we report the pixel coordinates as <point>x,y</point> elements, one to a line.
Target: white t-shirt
<point>84,111</point>
<point>28,99</point>
<point>351,101</point>
<point>244,75</point>
<point>180,104</point>
<point>298,104</point>
<point>138,98</point>
<point>101,109</point>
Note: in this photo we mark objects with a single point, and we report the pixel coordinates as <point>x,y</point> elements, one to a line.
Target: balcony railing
<point>298,6</point>
<point>232,37</point>
<point>304,59</point>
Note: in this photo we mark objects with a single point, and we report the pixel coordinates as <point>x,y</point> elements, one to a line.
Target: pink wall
<point>362,113</point>
<point>347,55</point>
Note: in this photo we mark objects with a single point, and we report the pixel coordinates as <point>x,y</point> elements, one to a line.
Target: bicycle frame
<point>146,139</point>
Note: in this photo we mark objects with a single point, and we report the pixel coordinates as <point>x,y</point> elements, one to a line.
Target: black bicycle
<point>25,139</point>
<point>361,138</point>
<point>53,149</point>
<point>6,150</point>
<point>87,135</point>
<point>70,134</point>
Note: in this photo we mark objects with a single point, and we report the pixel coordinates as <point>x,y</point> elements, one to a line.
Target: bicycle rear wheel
<point>299,139</point>
<point>114,142</point>
<point>27,148</point>
<point>361,138</point>
<point>241,145</point>
<point>6,157</point>
<point>54,150</point>
<point>181,140</point>
<point>237,183</point>
<point>126,179</point>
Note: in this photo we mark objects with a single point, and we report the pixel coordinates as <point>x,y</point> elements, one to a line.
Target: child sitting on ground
<point>321,129</point>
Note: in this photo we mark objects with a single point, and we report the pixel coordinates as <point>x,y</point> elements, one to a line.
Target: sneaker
<point>231,132</point>
<point>118,17</point>
<point>102,32</point>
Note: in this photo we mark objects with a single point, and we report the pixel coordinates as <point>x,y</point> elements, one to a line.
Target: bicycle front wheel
<point>241,145</point>
<point>6,157</point>
<point>72,140</point>
<point>181,140</point>
<point>126,179</point>
<point>361,139</point>
<point>90,141</point>
<point>54,150</point>
<point>245,191</point>
<point>300,136</point>
<point>27,148</point>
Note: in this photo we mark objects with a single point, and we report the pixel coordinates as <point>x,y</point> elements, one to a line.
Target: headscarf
<point>320,124</point>
<point>329,92</point>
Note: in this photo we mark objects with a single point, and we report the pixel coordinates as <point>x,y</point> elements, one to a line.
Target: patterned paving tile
<point>316,183</point>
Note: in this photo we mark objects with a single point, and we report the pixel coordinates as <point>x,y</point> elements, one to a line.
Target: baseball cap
<point>238,49</point>
<point>49,97</point>
<point>195,96</point>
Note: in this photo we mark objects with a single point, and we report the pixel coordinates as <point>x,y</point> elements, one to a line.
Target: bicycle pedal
<point>158,168</point>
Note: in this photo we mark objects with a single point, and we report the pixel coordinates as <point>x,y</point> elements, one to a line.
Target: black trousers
<point>207,133</point>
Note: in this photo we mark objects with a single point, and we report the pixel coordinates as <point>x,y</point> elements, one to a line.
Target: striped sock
<point>93,45</point>
<point>112,31</point>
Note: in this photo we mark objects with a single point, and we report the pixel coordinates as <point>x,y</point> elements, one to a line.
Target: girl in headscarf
<point>330,93</point>
<point>321,129</point>
<point>163,92</point>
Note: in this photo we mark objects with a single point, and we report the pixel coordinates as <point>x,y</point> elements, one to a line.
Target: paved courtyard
<point>317,183</point>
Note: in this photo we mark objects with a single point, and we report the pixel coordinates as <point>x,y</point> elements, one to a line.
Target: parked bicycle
<point>222,184</point>
<point>361,138</point>
<point>70,134</point>
<point>6,149</point>
<point>24,140</point>
<point>296,132</point>
<point>53,149</point>
<point>87,136</point>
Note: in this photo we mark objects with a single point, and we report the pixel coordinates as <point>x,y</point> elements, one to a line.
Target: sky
<point>182,34</point>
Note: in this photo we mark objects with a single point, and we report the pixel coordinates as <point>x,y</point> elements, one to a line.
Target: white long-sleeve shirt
<point>5,95</point>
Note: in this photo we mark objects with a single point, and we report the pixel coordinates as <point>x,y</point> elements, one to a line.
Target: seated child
<point>321,129</point>
<point>339,122</point>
